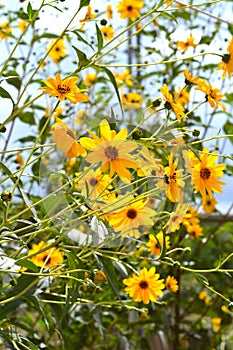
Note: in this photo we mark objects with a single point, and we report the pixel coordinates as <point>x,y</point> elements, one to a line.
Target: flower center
<point>226,58</point>
<point>143,284</point>
<point>129,8</point>
<point>46,260</point>
<point>63,88</point>
<point>93,181</point>
<point>205,173</point>
<point>111,153</point>
<point>131,213</point>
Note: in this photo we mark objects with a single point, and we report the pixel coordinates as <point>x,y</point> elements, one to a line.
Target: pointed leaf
<point>99,37</point>
<point>83,60</point>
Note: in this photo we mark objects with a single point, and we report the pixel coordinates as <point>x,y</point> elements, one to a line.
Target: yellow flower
<point>124,78</point>
<point>155,243</point>
<point>48,258</point>
<point>64,89</point>
<point>22,25</point>
<point>212,94</point>
<point>133,216</point>
<point>58,51</point>
<point>172,181</point>
<point>145,286</point>
<point>65,140</point>
<point>205,174</point>
<point>99,277</point>
<point>89,15</point>
<point>90,79</point>
<point>109,12</point>
<point>5,30</point>
<point>181,96</point>
<point>189,79</point>
<point>176,217</point>
<point>190,217</point>
<point>19,159</point>
<point>171,103</point>
<point>131,100</point>
<point>227,61</point>
<point>203,295</point>
<point>171,284</point>
<point>195,231</point>
<point>107,32</point>
<point>93,183</point>
<point>184,45</point>
<point>208,204</point>
<point>112,150</point>
<point>130,8</point>
<point>216,323</point>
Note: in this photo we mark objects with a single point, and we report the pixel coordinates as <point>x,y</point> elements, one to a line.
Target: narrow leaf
<point>99,37</point>
<point>113,81</point>
<point>83,3</point>
<point>83,60</point>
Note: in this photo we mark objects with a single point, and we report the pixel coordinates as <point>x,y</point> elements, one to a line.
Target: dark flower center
<point>129,8</point>
<point>57,49</point>
<point>208,202</point>
<point>111,153</point>
<point>226,58</point>
<point>205,173</point>
<point>168,105</point>
<point>46,259</point>
<point>93,181</point>
<point>131,213</point>
<point>144,284</point>
<point>63,89</point>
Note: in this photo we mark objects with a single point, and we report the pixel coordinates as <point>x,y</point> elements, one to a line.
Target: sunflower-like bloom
<point>205,173</point>
<point>176,217</point>
<point>189,79</point>
<point>216,323</point>
<point>90,79</point>
<point>65,140</point>
<point>130,8</point>
<point>22,25</point>
<point>155,243</point>
<point>123,78</point>
<point>89,15</point>
<point>58,50</point>
<point>64,89</point>
<point>5,31</point>
<point>171,284</point>
<point>172,181</point>
<point>93,183</point>
<point>107,32</point>
<point>209,204</point>
<point>212,94</point>
<point>195,231</point>
<point>145,287</point>
<point>46,258</point>
<point>227,61</point>
<point>181,96</point>
<point>171,103</point>
<point>109,12</point>
<point>112,150</point>
<point>132,100</point>
<point>184,45</point>
<point>133,216</point>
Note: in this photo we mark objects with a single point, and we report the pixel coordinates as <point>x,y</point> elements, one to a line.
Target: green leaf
<point>83,3</point>
<point>30,11</point>
<point>113,81</point>
<point>81,38</point>
<point>83,60</point>
<point>170,16</point>
<point>99,37</point>
<point>27,117</point>
<point>9,173</point>
<point>202,279</point>
<point>5,94</point>
<point>228,128</point>
<point>28,265</point>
